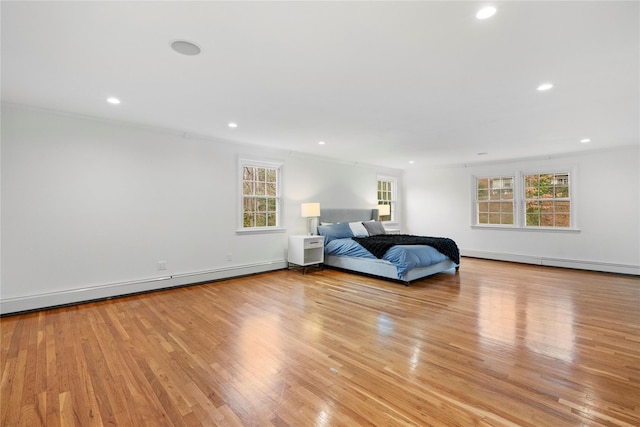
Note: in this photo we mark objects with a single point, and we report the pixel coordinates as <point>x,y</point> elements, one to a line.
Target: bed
<point>402,258</point>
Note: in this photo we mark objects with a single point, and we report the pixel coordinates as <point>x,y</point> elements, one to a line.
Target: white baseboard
<point>40,301</point>
<point>73,296</point>
<point>555,262</point>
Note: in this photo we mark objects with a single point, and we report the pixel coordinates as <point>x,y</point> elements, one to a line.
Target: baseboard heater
<point>112,290</point>
<point>604,267</point>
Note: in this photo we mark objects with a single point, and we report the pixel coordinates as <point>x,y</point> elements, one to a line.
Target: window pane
<point>494,207</point>
<point>249,204</point>
<point>546,220</point>
<point>494,218</point>
<point>507,219</point>
<point>561,179</point>
<point>271,189</point>
<point>271,175</point>
<point>261,220</point>
<point>561,192</point>
<point>508,182</point>
<point>563,220</point>
<point>248,220</point>
<point>546,192</point>
<point>563,207</point>
<point>506,207</point>
<point>507,194</point>
<point>533,219</point>
<point>248,188</point>
<point>533,206</point>
<point>483,194</point>
<point>483,218</point>
<point>483,207</point>
<point>247,173</point>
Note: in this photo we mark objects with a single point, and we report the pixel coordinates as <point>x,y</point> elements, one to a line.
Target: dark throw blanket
<point>379,245</point>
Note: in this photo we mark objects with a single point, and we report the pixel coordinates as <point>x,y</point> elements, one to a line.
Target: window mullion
<point>259,206</point>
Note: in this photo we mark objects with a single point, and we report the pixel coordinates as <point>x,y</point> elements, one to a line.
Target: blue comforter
<point>404,257</point>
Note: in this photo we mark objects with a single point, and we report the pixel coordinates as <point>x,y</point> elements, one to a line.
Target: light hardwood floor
<point>495,344</point>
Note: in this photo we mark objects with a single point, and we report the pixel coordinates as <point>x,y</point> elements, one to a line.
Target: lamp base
<point>312,226</point>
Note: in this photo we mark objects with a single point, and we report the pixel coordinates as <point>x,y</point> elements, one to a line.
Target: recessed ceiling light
<point>184,47</point>
<point>232,125</point>
<point>321,142</point>
<point>113,100</point>
<point>411,162</point>
<point>544,86</point>
<point>585,140</point>
<point>486,12</point>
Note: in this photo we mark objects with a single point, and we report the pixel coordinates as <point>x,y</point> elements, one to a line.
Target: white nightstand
<point>392,230</point>
<point>306,250</point>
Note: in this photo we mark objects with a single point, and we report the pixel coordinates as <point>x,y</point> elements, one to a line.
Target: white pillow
<point>358,229</point>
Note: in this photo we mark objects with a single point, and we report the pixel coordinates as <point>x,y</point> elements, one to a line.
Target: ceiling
<point>381,83</point>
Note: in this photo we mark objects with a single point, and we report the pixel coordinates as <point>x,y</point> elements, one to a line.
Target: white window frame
<point>261,163</point>
<point>523,198</point>
<point>394,196</point>
<point>519,214</point>
<point>476,214</point>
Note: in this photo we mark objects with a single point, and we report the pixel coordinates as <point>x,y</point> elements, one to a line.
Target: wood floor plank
<point>496,344</point>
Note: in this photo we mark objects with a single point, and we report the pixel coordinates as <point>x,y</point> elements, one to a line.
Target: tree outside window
<point>547,200</point>
<point>494,200</point>
<point>534,200</point>
<point>260,195</point>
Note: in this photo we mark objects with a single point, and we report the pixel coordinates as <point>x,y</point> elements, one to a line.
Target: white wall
<point>89,207</point>
<point>439,202</point>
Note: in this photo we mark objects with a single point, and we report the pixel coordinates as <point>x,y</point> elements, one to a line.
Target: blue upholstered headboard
<point>347,215</point>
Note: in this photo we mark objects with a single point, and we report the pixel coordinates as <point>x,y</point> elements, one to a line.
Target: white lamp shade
<point>309,210</point>
<point>384,210</point>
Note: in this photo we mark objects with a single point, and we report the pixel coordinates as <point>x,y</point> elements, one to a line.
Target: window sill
<point>528,229</point>
<point>261,230</point>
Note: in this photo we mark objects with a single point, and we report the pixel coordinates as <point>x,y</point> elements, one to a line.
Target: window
<point>260,199</point>
<point>547,200</point>
<point>387,196</point>
<point>494,200</point>
<point>533,200</point>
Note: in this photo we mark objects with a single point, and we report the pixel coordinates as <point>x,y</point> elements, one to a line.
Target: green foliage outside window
<point>495,200</point>
<point>547,200</point>
<point>259,197</point>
